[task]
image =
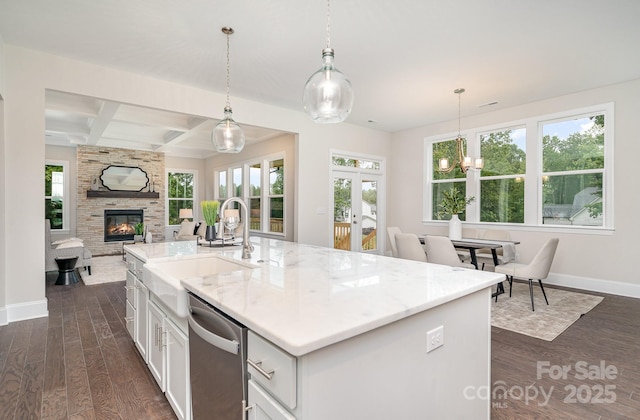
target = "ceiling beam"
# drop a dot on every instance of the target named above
(173, 138)
(105, 115)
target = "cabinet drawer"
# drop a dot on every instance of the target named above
(134, 265)
(130, 287)
(265, 359)
(129, 319)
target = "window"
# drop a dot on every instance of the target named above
(260, 183)
(276, 196)
(55, 185)
(502, 179)
(553, 170)
(572, 171)
(445, 181)
(181, 190)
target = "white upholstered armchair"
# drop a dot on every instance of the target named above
(69, 249)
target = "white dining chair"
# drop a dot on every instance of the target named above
(537, 269)
(440, 250)
(484, 255)
(409, 247)
(392, 231)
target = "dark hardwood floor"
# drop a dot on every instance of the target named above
(79, 363)
(531, 370)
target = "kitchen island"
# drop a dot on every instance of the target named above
(356, 327)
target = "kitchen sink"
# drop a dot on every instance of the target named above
(163, 277)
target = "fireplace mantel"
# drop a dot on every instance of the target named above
(121, 194)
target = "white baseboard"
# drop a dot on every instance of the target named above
(595, 285)
(27, 310)
(3, 316)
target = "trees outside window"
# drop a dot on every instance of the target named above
(54, 177)
(548, 170)
(180, 194)
(260, 183)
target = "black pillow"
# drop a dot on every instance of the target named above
(195, 230)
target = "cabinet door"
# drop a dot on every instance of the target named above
(130, 318)
(178, 385)
(156, 359)
(141, 327)
(264, 407)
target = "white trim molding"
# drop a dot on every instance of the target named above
(594, 285)
(26, 310)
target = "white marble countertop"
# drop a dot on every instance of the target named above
(304, 297)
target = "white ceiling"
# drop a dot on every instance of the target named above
(403, 57)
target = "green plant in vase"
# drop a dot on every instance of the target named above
(139, 231)
(210, 215)
(453, 203)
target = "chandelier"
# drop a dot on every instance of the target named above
(227, 136)
(328, 94)
(465, 162)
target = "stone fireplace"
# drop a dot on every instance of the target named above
(91, 205)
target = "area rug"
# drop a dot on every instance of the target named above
(104, 270)
(547, 321)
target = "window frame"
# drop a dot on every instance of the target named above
(196, 208)
(533, 211)
(65, 191)
(264, 161)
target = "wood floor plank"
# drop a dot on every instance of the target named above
(78, 391)
(102, 395)
(11, 375)
(29, 404)
(55, 388)
(85, 328)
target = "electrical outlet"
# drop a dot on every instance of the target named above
(435, 338)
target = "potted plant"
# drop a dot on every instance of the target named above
(139, 231)
(210, 215)
(453, 203)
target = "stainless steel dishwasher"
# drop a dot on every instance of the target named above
(218, 351)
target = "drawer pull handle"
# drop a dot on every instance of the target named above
(258, 366)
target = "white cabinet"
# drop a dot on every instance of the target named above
(263, 406)
(141, 296)
(156, 360)
(177, 370)
(273, 379)
(130, 313)
(168, 358)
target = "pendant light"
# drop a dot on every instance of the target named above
(228, 137)
(328, 94)
(460, 158)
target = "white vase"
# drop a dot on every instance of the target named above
(455, 228)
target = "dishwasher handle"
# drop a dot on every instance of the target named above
(230, 346)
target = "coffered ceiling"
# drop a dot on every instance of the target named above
(74, 119)
(403, 57)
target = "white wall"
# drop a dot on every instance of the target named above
(29, 73)
(3, 312)
(590, 261)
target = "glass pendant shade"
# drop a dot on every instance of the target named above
(228, 137)
(328, 94)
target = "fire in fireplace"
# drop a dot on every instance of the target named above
(119, 225)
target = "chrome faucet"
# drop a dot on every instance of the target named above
(247, 248)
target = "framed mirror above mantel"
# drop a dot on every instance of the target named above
(123, 182)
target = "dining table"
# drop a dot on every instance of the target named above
(473, 244)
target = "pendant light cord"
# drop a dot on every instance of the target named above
(328, 24)
(228, 103)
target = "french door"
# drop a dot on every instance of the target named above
(356, 199)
